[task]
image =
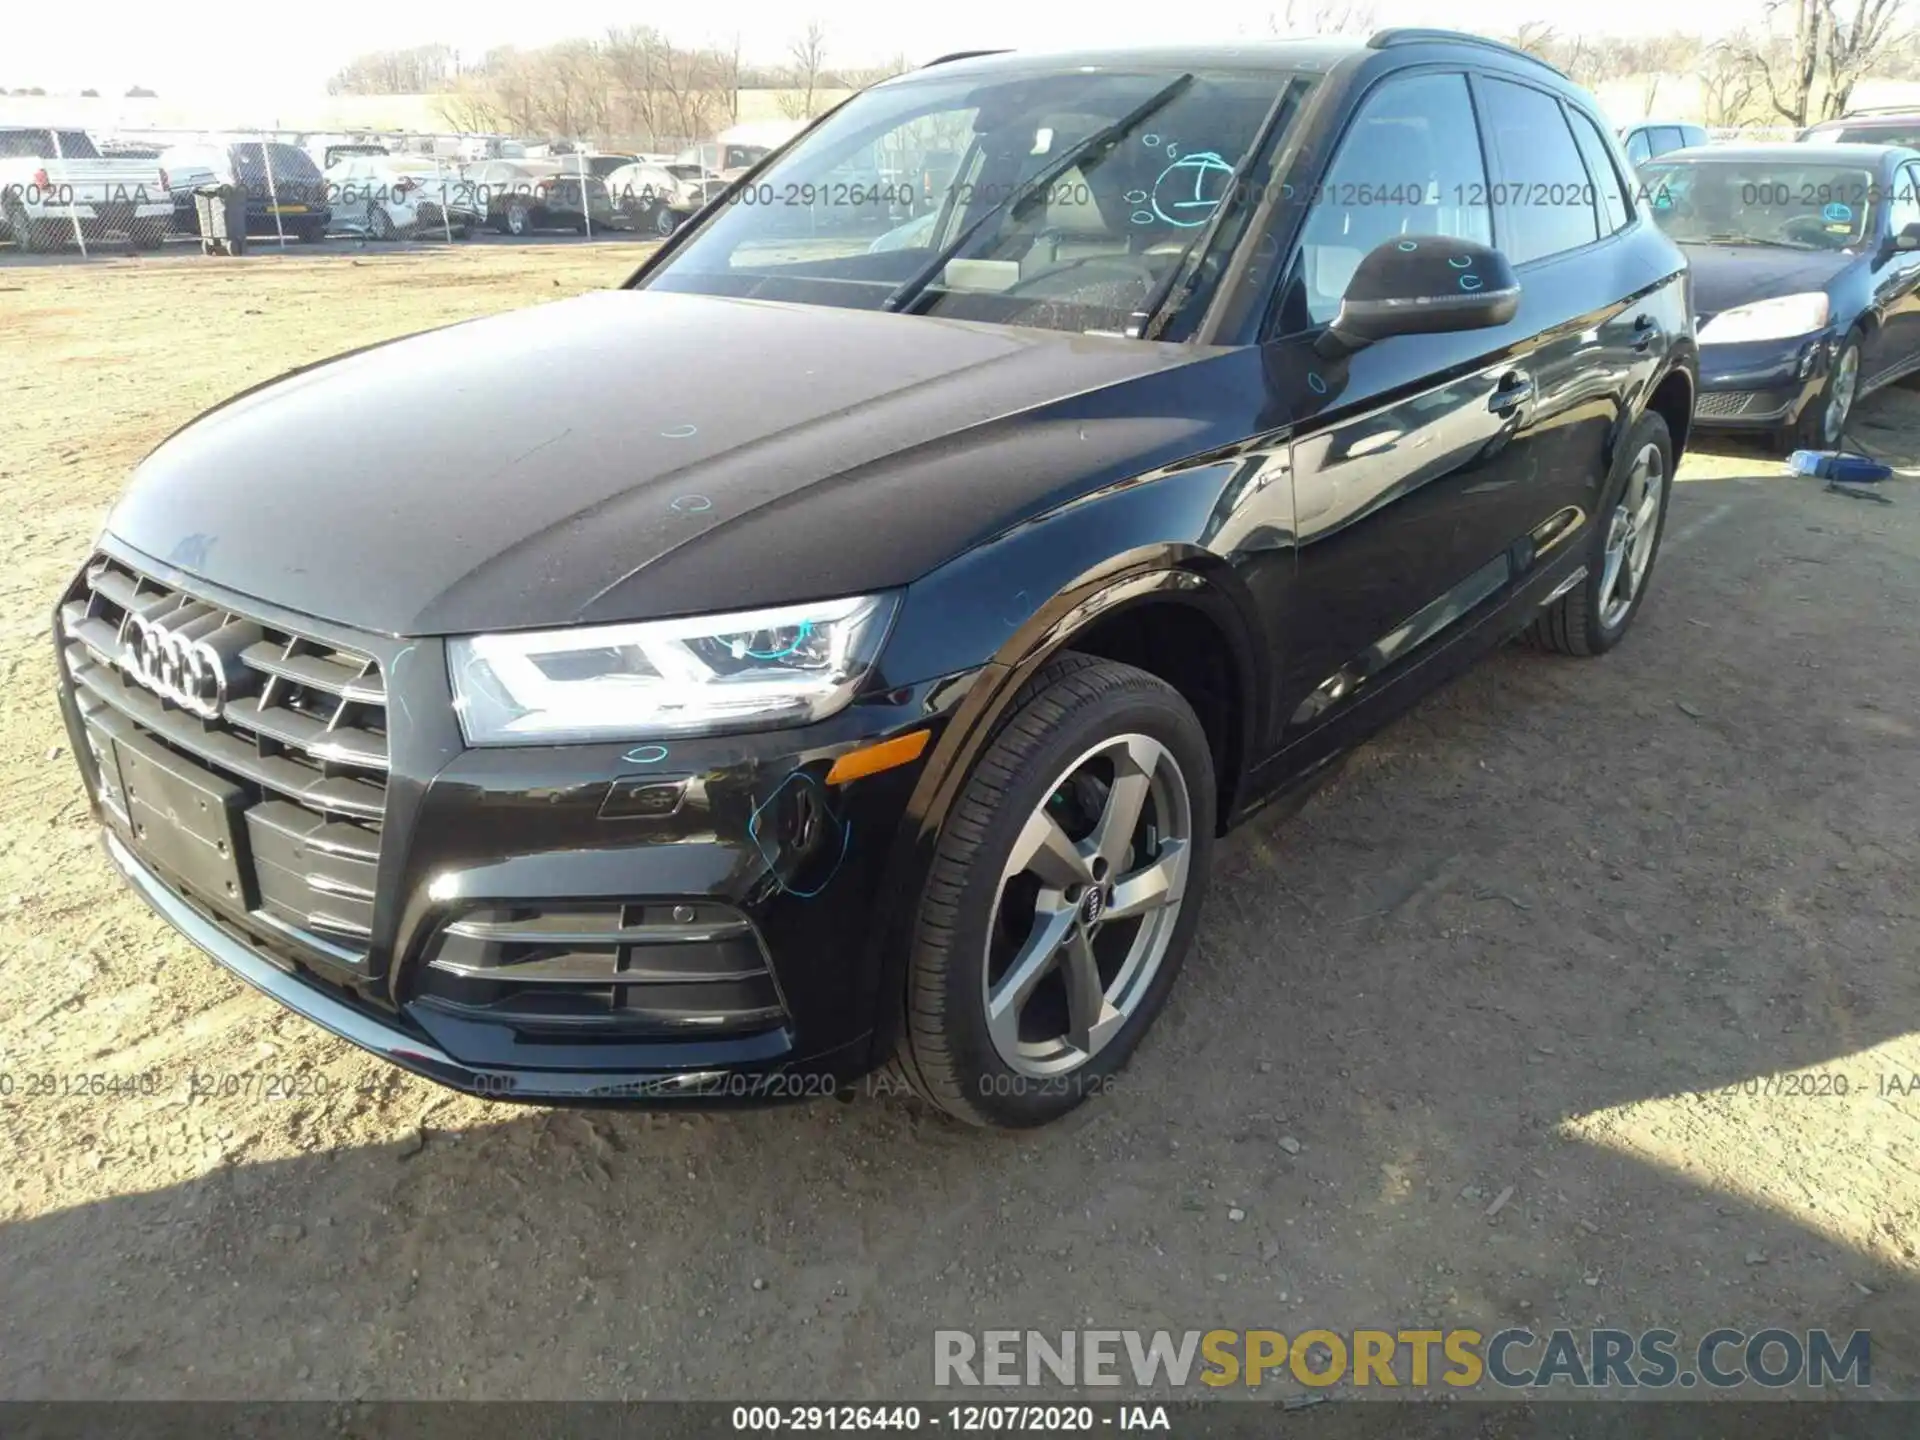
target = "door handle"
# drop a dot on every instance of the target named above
(1514, 391)
(1646, 330)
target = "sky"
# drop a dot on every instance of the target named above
(115, 44)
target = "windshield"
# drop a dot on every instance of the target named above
(927, 172)
(1761, 202)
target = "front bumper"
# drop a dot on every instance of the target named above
(517, 844)
(1761, 384)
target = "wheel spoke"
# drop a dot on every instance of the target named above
(1132, 781)
(1037, 955)
(1043, 848)
(1091, 1020)
(1610, 575)
(1153, 886)
(1643, 520)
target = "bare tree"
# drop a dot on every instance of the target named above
(1858, 37)
(873, 74)
(1322, 17)
(808, 54)
(1729, 85)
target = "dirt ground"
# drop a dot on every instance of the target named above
(1535, 943)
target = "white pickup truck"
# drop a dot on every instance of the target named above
(51, 178)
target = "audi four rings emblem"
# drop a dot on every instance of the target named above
(188, 672)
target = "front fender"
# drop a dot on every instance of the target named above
(995, 616)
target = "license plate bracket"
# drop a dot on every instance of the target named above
(185, 820)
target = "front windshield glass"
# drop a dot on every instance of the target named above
(918, 195)
(1761, 202)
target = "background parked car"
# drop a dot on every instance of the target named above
(522, 196)
(1893, 126)
(728, 161)
(658, 199)
(286, 192)
(1806, 278)
(1657, 137)
(385, 197)
(51, 179)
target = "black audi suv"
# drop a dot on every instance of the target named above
(815, 654)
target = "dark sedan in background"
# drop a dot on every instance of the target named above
(522, 196)
(1806, 278)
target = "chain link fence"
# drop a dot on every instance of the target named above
(68, 191)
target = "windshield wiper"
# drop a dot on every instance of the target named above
(909, 290)
(1776, 241)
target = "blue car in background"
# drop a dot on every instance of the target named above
(1806, 278)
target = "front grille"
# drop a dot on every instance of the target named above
(267, 809)
(1724, 404)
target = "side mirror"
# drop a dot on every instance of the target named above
(1422, 285)
(1908, 238)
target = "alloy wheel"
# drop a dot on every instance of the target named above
(1087, 905)
(1631, 533)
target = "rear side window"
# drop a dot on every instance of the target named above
(1544, 203)
(1609, 192)
(1409, 165)
(1638, 150)
(1668, 137)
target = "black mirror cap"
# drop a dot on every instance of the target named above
(1424, 285)
(1908, 238)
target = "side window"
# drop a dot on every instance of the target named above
(1408, 165)
(1540, 184)
(1638, 150)
(1905, 208)
(1609, 194)
(1669, 137)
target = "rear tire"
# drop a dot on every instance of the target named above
(379, 224)
(1086, 744)
(1594, 616)
(147, 234)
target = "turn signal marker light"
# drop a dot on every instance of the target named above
(873, 759)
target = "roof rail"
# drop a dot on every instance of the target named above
(1909, 108)
(965, 55)
(1420, 35)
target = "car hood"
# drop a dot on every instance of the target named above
(1728, 275)
(630, 454)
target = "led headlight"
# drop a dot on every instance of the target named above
(749, 671)
(1776, 319)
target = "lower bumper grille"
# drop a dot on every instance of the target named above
(245, 763)
(1724, 404)
(644, 968)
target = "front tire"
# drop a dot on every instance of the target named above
(519, 220)
(1593, 617)
(1822, 423)
(1062, 898)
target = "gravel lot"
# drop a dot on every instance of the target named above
(1523, 945)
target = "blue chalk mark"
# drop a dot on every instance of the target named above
(691, 504)
(1142, 217)
(1471, 282)
(1151, 141)
(1409, 245)
(645, 755)
(1837, 213)
(1459, 262)
(1135, 197)
(680, 432)
(806, 629)
(773, 860)
(1314, 383)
